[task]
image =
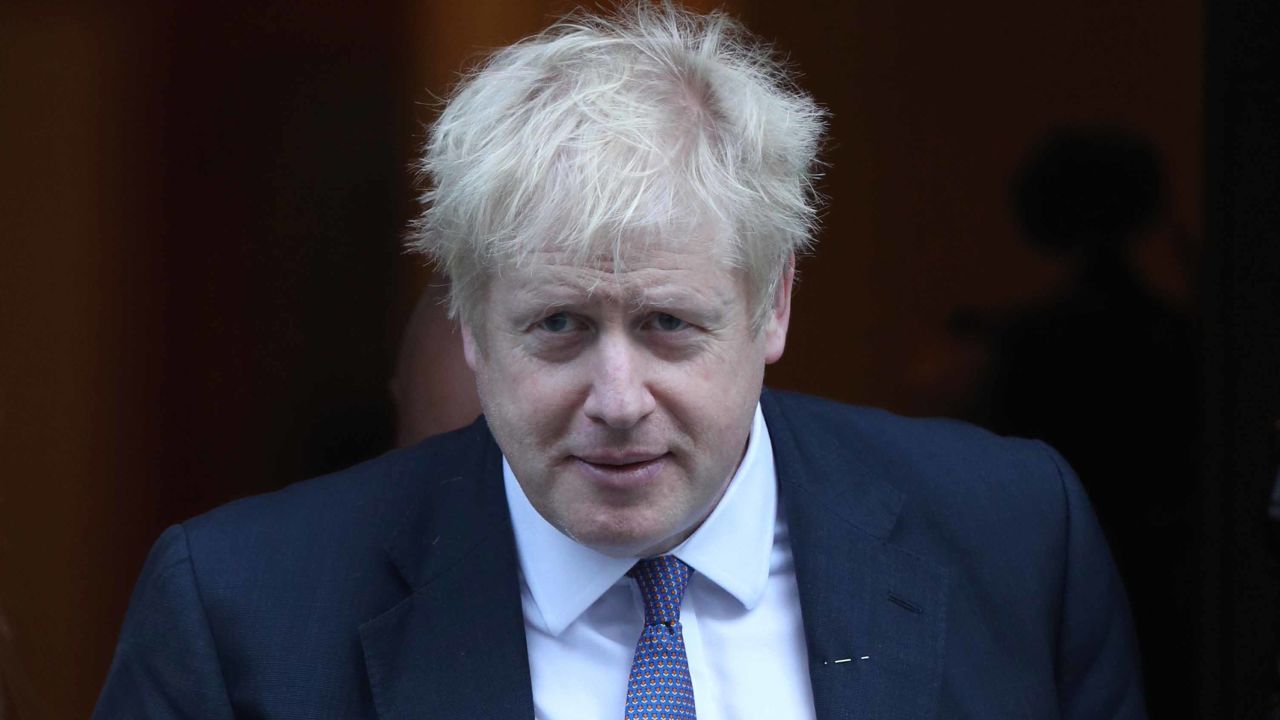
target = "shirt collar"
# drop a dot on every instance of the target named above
(731, 548)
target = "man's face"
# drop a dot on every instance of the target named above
(623, 401)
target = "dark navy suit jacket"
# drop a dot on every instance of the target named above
(963, 575)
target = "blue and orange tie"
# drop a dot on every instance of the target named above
(660, 687)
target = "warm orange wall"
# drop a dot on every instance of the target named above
(78, 280)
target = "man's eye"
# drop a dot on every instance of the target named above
(557, 323)
(668, 323)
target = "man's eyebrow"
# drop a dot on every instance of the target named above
(700, 308)
(534, 301)
(660, 297)
(538, 297)
(664, 296)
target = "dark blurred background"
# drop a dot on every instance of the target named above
(1057, 219)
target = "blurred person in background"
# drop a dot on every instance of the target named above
(1105, 371)
(433, 389)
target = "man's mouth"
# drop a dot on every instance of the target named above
(622, 470)
(620, 459)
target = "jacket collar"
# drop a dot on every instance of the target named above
(455, 645)
(874, 614)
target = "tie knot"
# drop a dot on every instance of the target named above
(662, 581)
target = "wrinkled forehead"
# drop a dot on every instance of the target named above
(659, 274)
(620, 246)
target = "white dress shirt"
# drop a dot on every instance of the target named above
(741, 610)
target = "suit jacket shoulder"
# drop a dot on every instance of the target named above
(955, 488)
(258, 605)
(334, 524)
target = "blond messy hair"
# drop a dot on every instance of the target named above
(647, 125)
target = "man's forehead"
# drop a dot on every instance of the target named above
(653, 277)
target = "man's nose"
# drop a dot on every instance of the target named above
(620, 396)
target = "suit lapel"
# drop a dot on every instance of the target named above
(455, 646)
(874, 614)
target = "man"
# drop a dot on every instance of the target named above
(634, 529)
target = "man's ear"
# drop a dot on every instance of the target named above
(775, 326)
(468, 344)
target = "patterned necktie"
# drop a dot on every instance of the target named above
(660, 687)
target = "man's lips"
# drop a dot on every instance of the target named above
(620, 459)
(621, 470)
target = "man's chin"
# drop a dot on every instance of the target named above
(623, 542)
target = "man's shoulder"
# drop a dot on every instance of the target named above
(322, 521)
(293, 574)
(882, 436)
(956, 477)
